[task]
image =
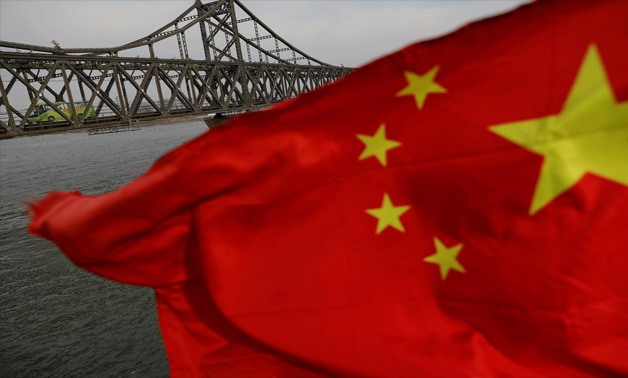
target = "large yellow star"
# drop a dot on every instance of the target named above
(590, 135)
(388, 215)
(377, 145)
(420, 86)
(446, 258)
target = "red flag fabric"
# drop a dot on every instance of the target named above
(458, 208)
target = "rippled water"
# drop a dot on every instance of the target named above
(55, 319)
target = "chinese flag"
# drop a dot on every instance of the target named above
(456, 209)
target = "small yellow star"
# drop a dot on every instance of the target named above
(377, 145)
(590, 135)
(420, 86)
(445, 258)
(388, 215)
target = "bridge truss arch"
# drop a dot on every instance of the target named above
(225, 60)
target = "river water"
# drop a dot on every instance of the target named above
(55, 319)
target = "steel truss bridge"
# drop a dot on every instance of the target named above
(237, 64)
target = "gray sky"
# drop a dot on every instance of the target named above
(349, 32)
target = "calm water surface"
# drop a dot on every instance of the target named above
(55, 319)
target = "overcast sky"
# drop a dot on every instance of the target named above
(349, 32)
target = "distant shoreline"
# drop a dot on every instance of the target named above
(133, 123)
